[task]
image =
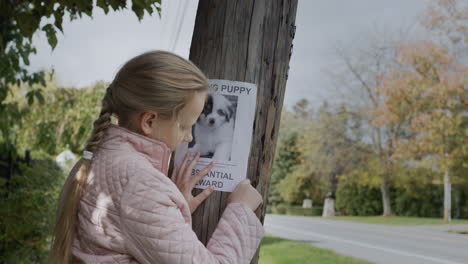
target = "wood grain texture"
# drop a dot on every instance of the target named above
(249, 41)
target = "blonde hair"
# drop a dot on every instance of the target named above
(153, 81)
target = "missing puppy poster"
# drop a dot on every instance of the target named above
(223, 134)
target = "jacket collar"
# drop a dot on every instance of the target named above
(157, 152)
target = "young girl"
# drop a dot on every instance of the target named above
(119, 206)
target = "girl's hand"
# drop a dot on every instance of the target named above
(181, 177)
(245, 193)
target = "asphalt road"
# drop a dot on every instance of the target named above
(376, 243)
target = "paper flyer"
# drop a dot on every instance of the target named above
(223, 134)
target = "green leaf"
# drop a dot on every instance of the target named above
(116, 4)
(102, 4)
(51, 37)
(1, 44)
(89, 10)
(40, 97)
(158, 8)
(58, 14)
(25, 58)
(3, 92)
(30, 97)
(27, 24)
(137, 7)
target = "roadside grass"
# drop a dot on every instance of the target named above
(398, 220)
(275, 250)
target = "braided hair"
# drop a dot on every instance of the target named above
(73, 188)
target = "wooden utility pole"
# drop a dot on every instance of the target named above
(247, 41)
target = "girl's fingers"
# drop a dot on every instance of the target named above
(174, 174)
(184, 164)
(200, 174)
(186, 174)
(197, 200)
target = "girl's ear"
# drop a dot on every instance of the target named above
(148, 121)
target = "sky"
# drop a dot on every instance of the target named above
(93, 49)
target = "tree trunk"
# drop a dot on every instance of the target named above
(248, 41)
(384, 179)
(447, 197)
(387, 207)
(456, 207)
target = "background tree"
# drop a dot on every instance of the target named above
(447, 21)
(285, 160)
(405, 100)
(287, 185)
(356, 78)
(426, 90)
(328, 147)
(27, 211)
(64, 122)
(19, 20)
(431, 76)
(301, 109)
(30, 192)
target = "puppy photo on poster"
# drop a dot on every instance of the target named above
(214, 130)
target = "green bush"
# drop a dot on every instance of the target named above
(411, 199)
(298, 210)
(357, 200)
(460, 208)
(427, 200)
(285, 159)
(280, 209)
(283, 208)
(27, 212)
(423, 200)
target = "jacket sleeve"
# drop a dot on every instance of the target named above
(155, 230)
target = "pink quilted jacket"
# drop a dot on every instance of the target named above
(131, 212)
